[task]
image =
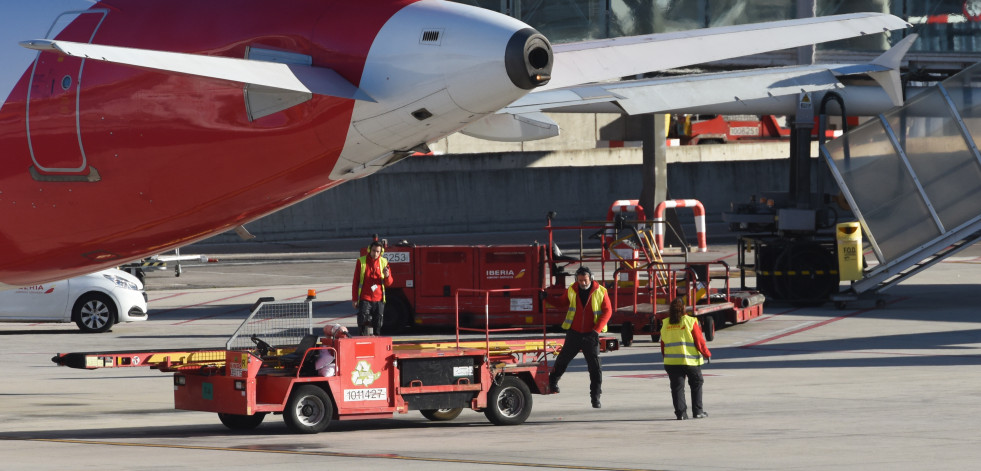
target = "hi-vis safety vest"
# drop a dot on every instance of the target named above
(363, 263)
(679, 344)
(595, 302)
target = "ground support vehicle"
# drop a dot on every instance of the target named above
(625, 255)
(644, 309)
(94, 302)
(722, 129)
(319, 378)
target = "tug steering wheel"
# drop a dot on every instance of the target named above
(261, 347)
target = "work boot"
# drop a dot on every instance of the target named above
(596, 402)
(553, 385)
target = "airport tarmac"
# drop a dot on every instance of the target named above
(799, 388)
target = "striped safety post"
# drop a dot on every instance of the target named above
(699, 221)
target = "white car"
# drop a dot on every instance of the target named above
(95, 302)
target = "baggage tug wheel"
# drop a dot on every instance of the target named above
(440, 415)
(241, 422)
(508, 403)
(309, 410)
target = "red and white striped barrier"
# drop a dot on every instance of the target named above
(620, 206)
(699, 221)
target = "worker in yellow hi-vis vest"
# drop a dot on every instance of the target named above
(371, 276)
(684, 350)
(589, 311)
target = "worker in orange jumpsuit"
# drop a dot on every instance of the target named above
(371, 276)
(589, 311)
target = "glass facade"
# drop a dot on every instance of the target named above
(944, 26)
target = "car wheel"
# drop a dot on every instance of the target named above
(94, 313)
(309, 410)
(241, 422)
(441, 415)
(508, 403)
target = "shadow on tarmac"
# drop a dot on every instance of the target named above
(272, 426)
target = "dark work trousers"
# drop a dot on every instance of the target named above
(677, 375)
(588, 344)
(370, 314)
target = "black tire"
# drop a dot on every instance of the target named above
(626, 334)
(241, 422)
(308, 410)
(708, 328)
(94, 313)
(508, 403)
(397, 314)
(441, 415)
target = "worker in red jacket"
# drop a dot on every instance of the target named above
(371, 276)
(684, 350)
(589, 311)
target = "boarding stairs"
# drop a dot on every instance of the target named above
(912, 177)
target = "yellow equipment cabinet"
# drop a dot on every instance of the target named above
(849, 235)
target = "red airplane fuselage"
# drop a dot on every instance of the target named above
(104, 163)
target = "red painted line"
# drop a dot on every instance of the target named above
(727, 256)
(209, 302)
(332, 319)
(802, 329)
(167, 297)
(771, 316)
(319, 291)
(813, 326)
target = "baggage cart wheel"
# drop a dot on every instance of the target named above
(508, 403)
(309, 410)
(241, 422)
(441, 415)
(626, 334)
(708, 327)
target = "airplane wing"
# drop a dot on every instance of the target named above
(611, 59)
(292, 77)
(758, 91)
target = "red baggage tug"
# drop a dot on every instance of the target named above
(319, 378)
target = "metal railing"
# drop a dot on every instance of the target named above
(278, 323)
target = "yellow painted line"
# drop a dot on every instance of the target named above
(321, 453)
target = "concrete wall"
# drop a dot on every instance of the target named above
(514, 191)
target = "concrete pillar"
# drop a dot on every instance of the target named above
(806, 9)
(654, 184)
